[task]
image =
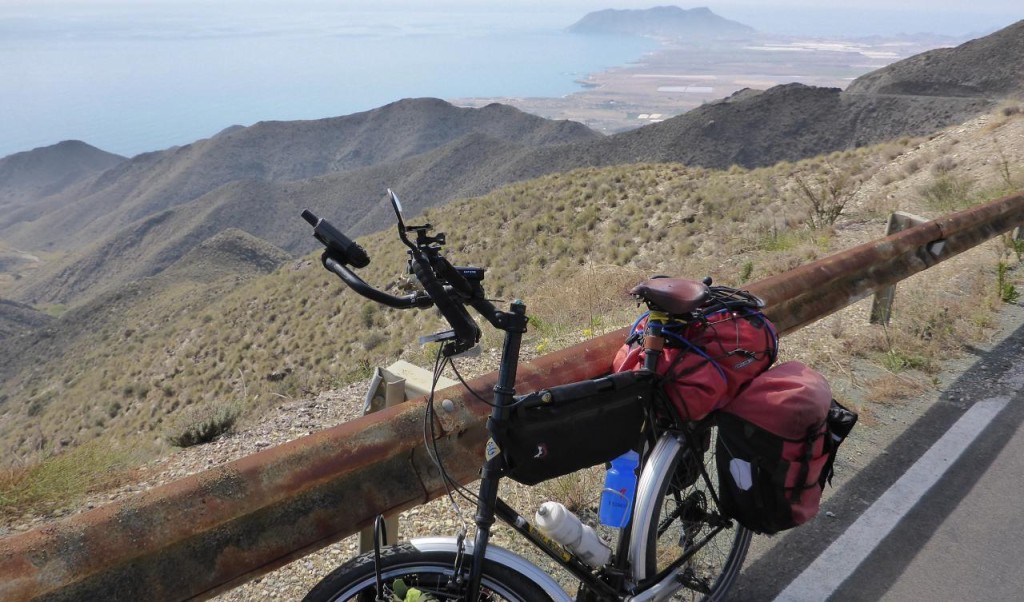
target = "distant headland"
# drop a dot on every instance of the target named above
(661, 21)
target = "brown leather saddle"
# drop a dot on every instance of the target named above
(676, 296)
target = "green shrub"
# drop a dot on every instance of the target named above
(826, 193)
(746, 272)
(1016, 246)
(196, 426)
(897, 361)
(1008, 293)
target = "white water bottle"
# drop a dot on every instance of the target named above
(561, 525)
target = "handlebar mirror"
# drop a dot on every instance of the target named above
(397, 206)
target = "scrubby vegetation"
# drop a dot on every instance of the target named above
(180, 360)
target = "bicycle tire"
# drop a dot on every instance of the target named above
(427, 571)
(683, 510)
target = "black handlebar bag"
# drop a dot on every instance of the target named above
(557, 431)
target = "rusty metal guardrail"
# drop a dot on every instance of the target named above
(203, 534)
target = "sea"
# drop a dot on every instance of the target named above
(131, 76)
(136, 77)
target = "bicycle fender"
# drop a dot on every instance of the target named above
(502, 556)
(658, 464)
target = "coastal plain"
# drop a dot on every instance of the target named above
(682, 75)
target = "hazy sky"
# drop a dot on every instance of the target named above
(830, 17)
(991, 6)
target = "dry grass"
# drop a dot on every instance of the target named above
(569, 244)
(60, 480)
(867, 414)
(894, 388)
(578, 491)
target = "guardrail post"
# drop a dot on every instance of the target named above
(386, 390)
(881, 307)
(391, 386)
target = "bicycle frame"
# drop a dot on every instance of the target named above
(631, 550)
(494, 462)
(456, 288)
(631, 542)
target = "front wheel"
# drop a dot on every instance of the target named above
(405, 570)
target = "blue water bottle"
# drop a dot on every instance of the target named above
(619, 488)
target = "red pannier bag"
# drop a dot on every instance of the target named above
(706, 362)
(775, 450)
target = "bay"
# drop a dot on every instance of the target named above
(136, 81)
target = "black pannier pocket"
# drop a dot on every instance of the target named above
(556, 431)
(766, 482)
(840, 422)
(769, 483)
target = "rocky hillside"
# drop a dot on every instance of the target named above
(785, 123)
(206, 335)
(988, 67)
(31, 175)
(86, 338)
(17, 319)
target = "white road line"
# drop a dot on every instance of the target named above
(839, 560)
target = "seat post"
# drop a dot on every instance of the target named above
(654, 341)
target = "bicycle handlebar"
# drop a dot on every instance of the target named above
(360, 286)
(467, 333)
(444, 286)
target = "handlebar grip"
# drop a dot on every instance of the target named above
(336, 241)
(466, 330)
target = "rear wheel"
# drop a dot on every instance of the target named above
(432, 573)
(682, 516)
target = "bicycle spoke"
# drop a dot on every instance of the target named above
(691, 538)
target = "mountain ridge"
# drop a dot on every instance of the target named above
(270, 151)
(955, 71)
(430, 152)
(50, 169)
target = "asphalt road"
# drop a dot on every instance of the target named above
(940, 516)
(977, 553)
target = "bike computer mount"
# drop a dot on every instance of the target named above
(448, 286)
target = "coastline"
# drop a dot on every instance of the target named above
(679, 76)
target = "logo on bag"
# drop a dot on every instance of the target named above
(741, 475)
